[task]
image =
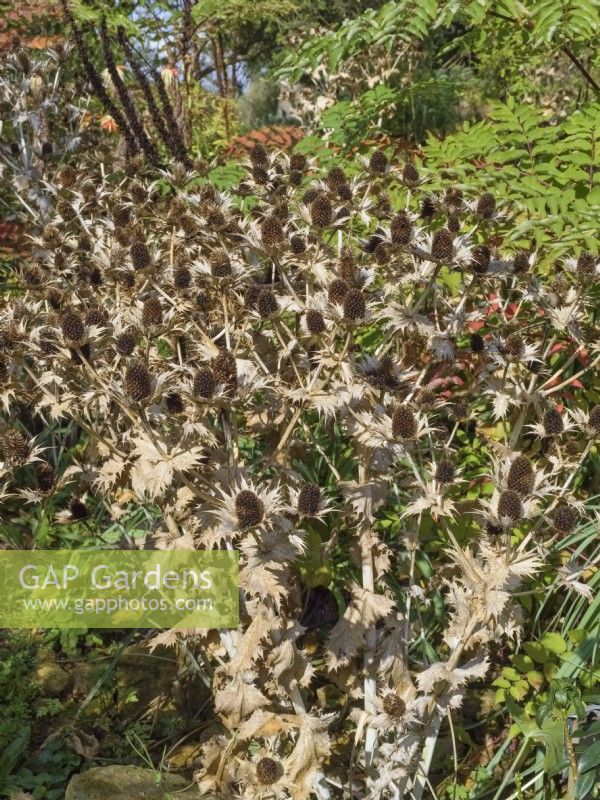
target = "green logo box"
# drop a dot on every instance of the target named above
(119, 589)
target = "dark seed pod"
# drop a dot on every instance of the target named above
(251, 296)
(594, 419)
(520, 262)
(266, 304)
(453, 200)
(259, 156)
(515, 346)
(45, 477)
(480, 259)
(309, 499)
(401, 229)
(67, 177)
(337, 291)
(125, 343)
(321, 212)
(138, 381)
(486, 205)
(335, 178)
(315, 322)
(220, 264)
(445, 472)
(249, 509)
(298, 245)
(510, 505)
(410, 175)
(586, 266)
(152, 312)
(564, 518)
(268, 771)
(271, 231)
(121, 216)
(310, 196)
(295, 178)
(204, 384)
(404, 423)
(394, 706)
(476, 343)
(442, 245)
(174, 403)
(453, 224)
(521, 477)
(493, 530)
(72, 326)
(553, 422)
(225, 369)
(354, 305)
(78, 511)
(427, 208)
(379, 163)
(260, 175)
(383, 253)
(4, 372)
(298, 162)
(182, 278)
(140, 255)
(347, 266)
(14, 447)
(345, 193)
(97, 316)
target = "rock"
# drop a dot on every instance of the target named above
(51, 679)
(183, 757)
(120, 782)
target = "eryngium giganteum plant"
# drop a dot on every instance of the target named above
(208, 345)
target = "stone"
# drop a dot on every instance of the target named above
(122, 782)
(51, 679)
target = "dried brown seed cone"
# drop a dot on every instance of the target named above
(586, 266)
(354, 305)
(379, 163)
(476, 343)
(309, 499)
(520, 262)
(521, 476)
(515, 346)
(486, 205)
(138, 381)
(259, 156)
(4, 371)
(594, 419)
(404, 423)
(298, 245)
(204, 384)
(453, 224)
(67, 177)
(445, 472)
(553, 422)
(182, 278)
(140, 255)
(394, 706)
(45, 477)
(220, 264)
(121, 216)
(410, 175)
(427, 208)
(315, 322)
(442, 246)
(564, 518)
(249, 509)
(174, 403)
(480, 259)
(510, 505)
(266, 304)
(298, 162)
(78, 510)
(97, 316)
(225, 369)
(321, 212)
(268, 771)
(335, 178)
(271, 231)
(337, 291)
(347, 266)
(152, 312)
(126, 343)
(401, 229)
(72, 326)
(14, 447)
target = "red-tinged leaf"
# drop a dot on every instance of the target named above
(576, 383)
(476, 325)
(557, 348)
